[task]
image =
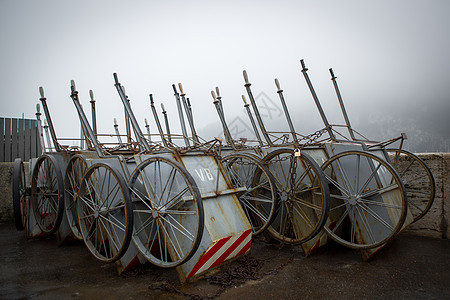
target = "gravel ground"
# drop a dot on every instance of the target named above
(411, 267)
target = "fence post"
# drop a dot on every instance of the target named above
(19, 138)
(21, 133)
(7, 139)
(2, 139)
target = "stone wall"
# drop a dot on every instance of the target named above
(433, 224)
(6, 209)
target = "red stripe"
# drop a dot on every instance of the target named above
(208, 255)
(231, 248)
(134, 263)
(245, 249)
(315, 247)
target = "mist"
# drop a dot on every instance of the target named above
(390, 59)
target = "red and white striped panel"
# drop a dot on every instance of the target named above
(223, 250)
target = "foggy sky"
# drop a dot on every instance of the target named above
(390, 58)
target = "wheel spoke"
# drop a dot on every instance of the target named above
(92, 229)
(303, 215)
(264, 184)
(88, 202)
(148, 220)
(148, 188)
(108, 231)
(344, 176)
(254, 210)
(258, 199)
(358, 165)
(411, 203)
(380, 191)
(177, 198)
(155, 235)
(312, 188)
(339, 197)
(90, 186)
(418, 192)
(337, 185)
(382, 204)
(171, 176)
(145, 199)
(233, 175)
(180, 212)
(376, 216)
(115, 222)
(158, 201)
(179, 227)
(283, 218)
(366, 225)
(300, 179)
(161, 231)
(112, 194)
(374, 172)
(341, 219)
(307, 204)
(352, 231)
(402, 174)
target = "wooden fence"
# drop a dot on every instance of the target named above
(19, 138)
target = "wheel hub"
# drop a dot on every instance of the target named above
(353, 200)
(155, 213)
(284, 196)
(101, 211)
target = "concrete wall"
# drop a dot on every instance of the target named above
(433, 224)
(6, 206)
(6, 210)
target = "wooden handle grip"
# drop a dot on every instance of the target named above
(245, 101)
(217, 92)
(245, 76)
(277, 83)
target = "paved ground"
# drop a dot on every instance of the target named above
(411, 267)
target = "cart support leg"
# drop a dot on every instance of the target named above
(226, 131)
(286, 112)
(316, 100)
(49, 120)
(158, 124)
(341, 103)
(252, 121)
(255, 109)
(180, 114)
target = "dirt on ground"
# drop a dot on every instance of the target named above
(410, 267)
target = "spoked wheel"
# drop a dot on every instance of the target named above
(72, 180)
(417, 179)
(168, 212)
(367, 200)
(260, 200)
(303, 192)
(105, 214)
(47, 194)
(20, 203)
